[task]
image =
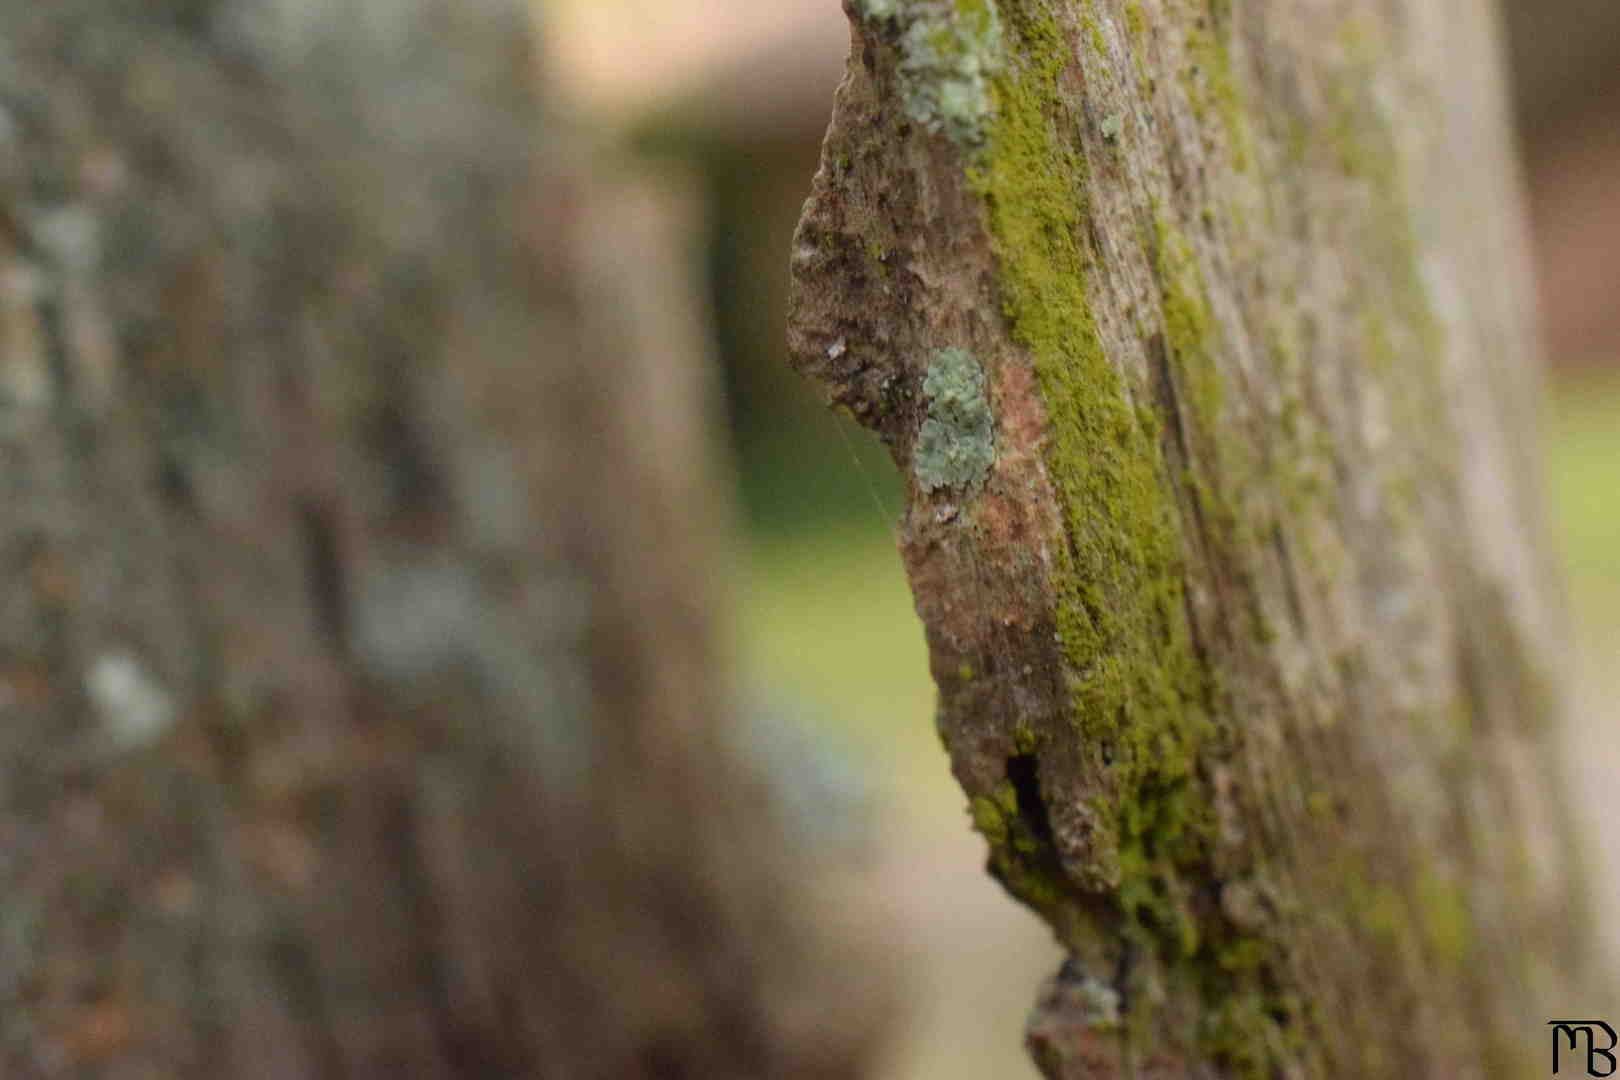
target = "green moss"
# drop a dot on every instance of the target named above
(1382, 912)
(1403, 341)
(1301, 470)
(1357, 133)
(1188, 323)
(1042, 889)
(1136, 22)
(1224, 485)
(1242, 1034)
(1025, 740)
(1363, 141)
(991, 815)
(1446, 920)
(1427, 915)
(1134, 680)
(1213, 91)
(1136, 25)
(1020, 857)
(1242, 955)
(956, 443)
(1099, 44)
(1189, 330)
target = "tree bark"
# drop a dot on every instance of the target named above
(361, 706)
(1202, 331)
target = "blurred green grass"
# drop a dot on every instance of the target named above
(822, 613)
(828, 620)
(1583, 474)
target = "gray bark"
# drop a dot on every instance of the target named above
(361, 706)
(1202, 332)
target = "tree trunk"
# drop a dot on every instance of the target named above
(361, 710)
(1201, 329)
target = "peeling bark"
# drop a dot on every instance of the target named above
(1244, 645)
(360, 712)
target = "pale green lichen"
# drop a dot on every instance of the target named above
(1099, 1004)
(949, 51)
(877, 10)
(956, 444)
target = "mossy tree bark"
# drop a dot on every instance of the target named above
(1201, 331)
(359, 705)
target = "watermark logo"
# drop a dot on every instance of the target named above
(1569, 1034)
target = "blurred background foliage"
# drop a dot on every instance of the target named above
(731, 101)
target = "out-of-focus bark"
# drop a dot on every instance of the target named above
(1202, 331)
(360, 712)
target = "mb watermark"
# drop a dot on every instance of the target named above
(1600, 1060)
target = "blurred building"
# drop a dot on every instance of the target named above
(1566, 61)
(740, 95)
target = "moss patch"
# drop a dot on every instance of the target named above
(1213, 90)
(1021, 853)
(1136, 22)
(1447, 922)
(1188, 323)
(1135, 682)
(1137, 685)
(1099, 44)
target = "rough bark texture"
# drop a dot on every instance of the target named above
(1201, 330)
(359, 710)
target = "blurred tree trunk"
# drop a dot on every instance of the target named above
(1201, 329)
(361, 706)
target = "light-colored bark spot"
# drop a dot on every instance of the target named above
(492, 491)
(25, 381)
(414, 620)
(71, 236)
(134, 709)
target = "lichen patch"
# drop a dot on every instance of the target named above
(949, 53)
(956, 444)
